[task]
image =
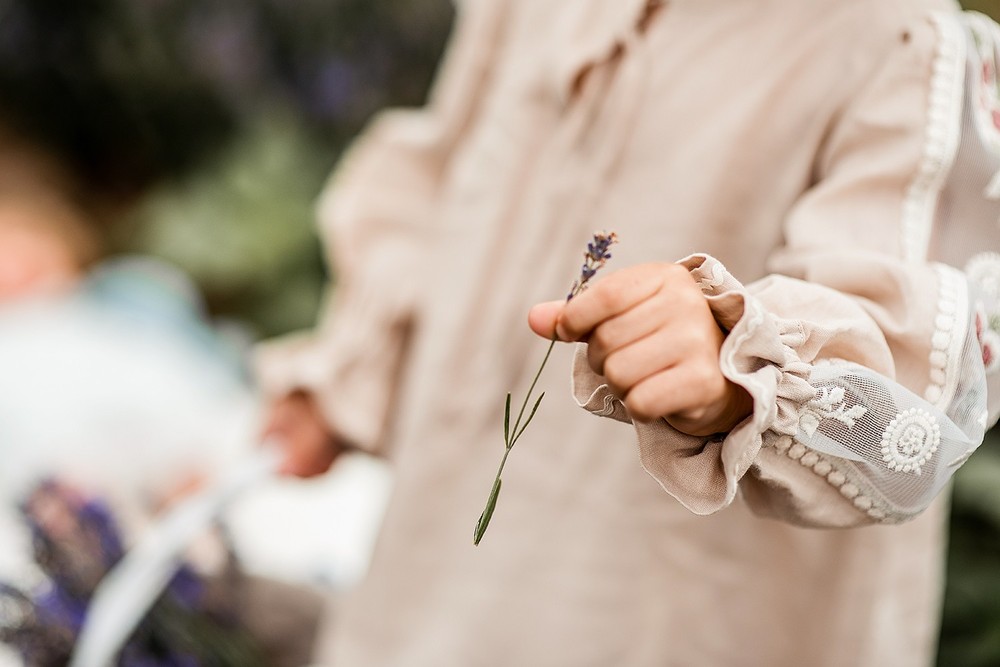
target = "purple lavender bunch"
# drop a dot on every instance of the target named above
(76, 541)
(594, 258)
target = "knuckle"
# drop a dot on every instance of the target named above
(686, 336)
(692, 296)
(675, 269)
(704, 339)
(607, 297)
(675, 273)
(704, 376)
(689, 298)
(632, 283)
(641, 405)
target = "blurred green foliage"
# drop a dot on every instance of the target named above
(970, 627)
(303, 78)
(244, 227)
(990, 7)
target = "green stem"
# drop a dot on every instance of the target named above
(510, 437)
(527, 397)
(503, 461)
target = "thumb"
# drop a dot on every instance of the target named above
(542, 318)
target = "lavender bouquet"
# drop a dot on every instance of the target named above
(76, 541)
(593, 259)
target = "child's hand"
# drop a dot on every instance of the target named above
(308, 447)
(651, 334)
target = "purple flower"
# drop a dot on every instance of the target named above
(593, 259)
(187, 588)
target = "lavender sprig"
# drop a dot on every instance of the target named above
(593, 259)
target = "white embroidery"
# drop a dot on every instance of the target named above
(983, 270)
(942, 138)
(835, 476)
(910, 440)
(947, 339)
(829, 404)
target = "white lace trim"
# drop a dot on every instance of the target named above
(829, 403)
(835, 476)
(947, 339)
(960, 460)
(983, 270)
(942, 138)
(910, 440)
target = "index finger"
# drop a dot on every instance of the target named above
(614, 294)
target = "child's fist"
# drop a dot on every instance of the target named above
(652, 336)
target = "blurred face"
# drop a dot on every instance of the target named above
(34, 258)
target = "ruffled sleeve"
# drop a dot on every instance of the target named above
(872, 369)
(375, 216)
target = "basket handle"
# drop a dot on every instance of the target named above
(125, 594)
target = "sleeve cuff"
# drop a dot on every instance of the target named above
(703, 473)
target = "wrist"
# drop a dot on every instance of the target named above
(734, 407)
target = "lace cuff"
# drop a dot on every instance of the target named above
(830, 441)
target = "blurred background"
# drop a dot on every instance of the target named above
(159, 161)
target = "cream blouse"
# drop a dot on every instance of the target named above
(830, 170)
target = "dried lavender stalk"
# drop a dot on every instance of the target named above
(593, 259)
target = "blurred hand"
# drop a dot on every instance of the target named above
(309, 446)
(652, 336)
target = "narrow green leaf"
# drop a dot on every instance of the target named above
(530, 415)
(506, 421)
(484, 518)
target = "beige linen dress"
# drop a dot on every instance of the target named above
(825, 155)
